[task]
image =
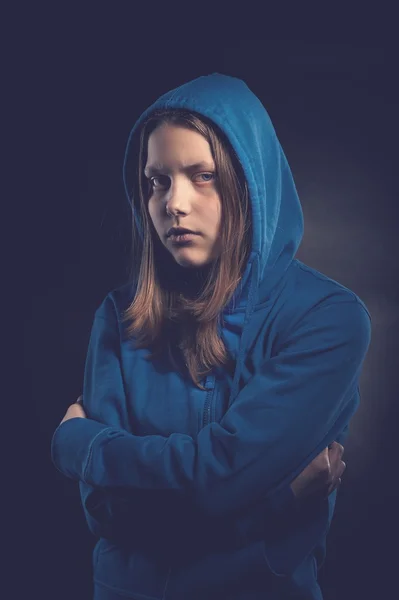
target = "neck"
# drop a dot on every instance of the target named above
(192, 281)
(188, 282)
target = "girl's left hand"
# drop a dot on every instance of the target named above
(75, 410)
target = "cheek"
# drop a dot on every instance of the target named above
(155, 218)
(152, 212)
(217, 213)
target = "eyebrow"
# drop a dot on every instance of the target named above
(155, 170)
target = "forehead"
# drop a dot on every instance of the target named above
(176, 143)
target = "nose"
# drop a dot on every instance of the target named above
(178, 198)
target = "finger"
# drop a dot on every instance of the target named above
(322, 467)
(337, 447)
(335, 485)
(338, 483)
(335, 453)
(334, 461)
(323, 459)
(337, 468)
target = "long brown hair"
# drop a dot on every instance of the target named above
(164, 318)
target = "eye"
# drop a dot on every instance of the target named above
(208, 177)
(160, 181)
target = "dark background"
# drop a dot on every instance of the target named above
(333, 101)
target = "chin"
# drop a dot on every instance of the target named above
(192, 265)
(188, 263)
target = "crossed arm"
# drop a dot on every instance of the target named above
(303, 395)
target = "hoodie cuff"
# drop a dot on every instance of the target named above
(72, 443)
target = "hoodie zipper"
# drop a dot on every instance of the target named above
(209, 384)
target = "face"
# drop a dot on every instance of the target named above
(181, 171)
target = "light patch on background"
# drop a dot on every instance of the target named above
(355, 255)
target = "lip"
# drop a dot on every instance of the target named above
(184, 237)
(184, 230)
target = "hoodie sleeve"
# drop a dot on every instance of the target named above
(108, 511)
(281, 420)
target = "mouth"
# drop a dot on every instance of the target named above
(182, 237)
(178, 231)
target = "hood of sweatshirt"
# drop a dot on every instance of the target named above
(277, 218)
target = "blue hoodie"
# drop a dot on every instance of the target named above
(187, 490)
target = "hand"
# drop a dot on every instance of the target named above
(75, 410)
(323, 475)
